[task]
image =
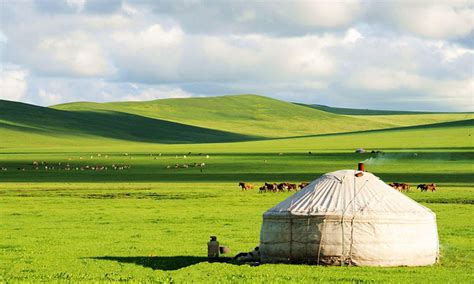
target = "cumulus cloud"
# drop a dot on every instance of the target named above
(75, 53)
(380, 79)
(437, 19)
(153, 52)
(450, 93)
(13, 84)
(385, 54)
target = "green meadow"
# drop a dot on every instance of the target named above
(150, 222)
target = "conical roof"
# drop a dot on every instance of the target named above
(342, 193)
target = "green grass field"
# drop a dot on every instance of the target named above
(151, 223)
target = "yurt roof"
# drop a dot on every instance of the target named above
(342, 193)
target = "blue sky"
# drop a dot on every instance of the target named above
(412, 55)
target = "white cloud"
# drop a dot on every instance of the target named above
(437, 19)
(459, 94)
(314, 51)
(352, 36)
(247, 16)
(320, 13)
(76, 4)
(154, 93)
(49, 98)
(447, 93)
(450, 51)
(153, 52)
(75, 53)
(379, 79)
(13, 84)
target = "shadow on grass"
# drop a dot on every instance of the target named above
(162, 262)
(27, 118)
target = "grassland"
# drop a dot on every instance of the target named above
(151, 223)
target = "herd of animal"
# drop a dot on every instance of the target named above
(289, 187)
(274, 187)
(185, 166)
(405, 187)
(42, 165)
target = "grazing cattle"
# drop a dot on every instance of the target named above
(292, 187)
(396, 185)
(422, 187)
(426, 187)
(432, 187)
(400, 186)
(272, 187)
(405, 186)
(262, 189)
(245, 186)
(282, 186)
(303, 185)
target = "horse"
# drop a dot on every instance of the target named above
(292, 187)
(272, 187)
(400, 186)
(245, 186)
(282, 186)
(303, 185)
(426, 187)
(431, 187)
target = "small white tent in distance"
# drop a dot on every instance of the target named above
(349, 217)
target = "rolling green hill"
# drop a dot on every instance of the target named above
(20, 123)
(243, 114)
(190, 120)
(256, 115)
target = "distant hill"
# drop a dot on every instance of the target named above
(244, 114)
(19, 121)
(188, 120)
(355, 111)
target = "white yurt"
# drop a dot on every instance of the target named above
(349, 217)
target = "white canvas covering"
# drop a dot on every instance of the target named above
(343, 219)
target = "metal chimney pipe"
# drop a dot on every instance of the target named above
(361, 167)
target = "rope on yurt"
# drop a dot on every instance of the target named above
(352, 202)
(354, 215)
